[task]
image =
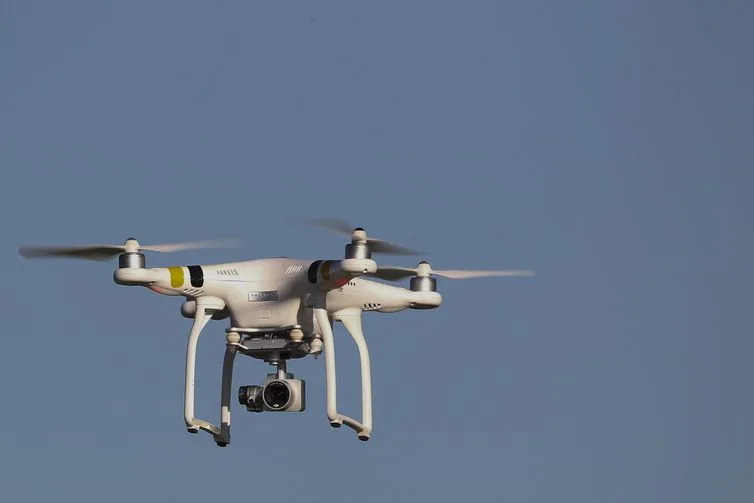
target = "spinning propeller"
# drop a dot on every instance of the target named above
(358, 234)
(392, 273)
(106, 252)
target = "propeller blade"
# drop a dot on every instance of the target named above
(336, 225)
(192, 245)
(90, 252)
(391, 273)
(340, 226)
(106, 252)
(386, 248)
(394, 273)
(464, 274)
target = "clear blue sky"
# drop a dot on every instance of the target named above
(607, 145)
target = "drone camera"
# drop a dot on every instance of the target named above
(251, 397)
(275, 395)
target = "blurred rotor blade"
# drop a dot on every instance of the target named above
(336, 225)
(391, 273)
(340, 226)
(386, 248)
(465, 274)
(106, 252)
(193, 245)
(88, 252)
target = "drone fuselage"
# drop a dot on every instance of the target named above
(272, 293)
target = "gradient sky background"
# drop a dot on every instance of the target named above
(607, 145)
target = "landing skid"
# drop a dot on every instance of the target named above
(274, 345)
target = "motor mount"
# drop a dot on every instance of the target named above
(132, 260)
(423, 282)
(358, 248)
(358, 251)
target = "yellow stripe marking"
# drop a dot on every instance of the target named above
(176, 276)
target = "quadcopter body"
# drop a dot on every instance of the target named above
(272, 293)
(278, 309)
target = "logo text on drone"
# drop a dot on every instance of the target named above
(263, 296)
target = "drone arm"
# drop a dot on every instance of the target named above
(364, 430)
(128, 276)
(332, 274)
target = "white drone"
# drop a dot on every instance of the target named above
(279, 309)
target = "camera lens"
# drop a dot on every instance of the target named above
(277, 394)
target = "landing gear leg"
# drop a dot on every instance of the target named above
(204, 309)
(353, 325)
(225, 393)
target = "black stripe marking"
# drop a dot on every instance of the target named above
(312, 272)
(197, 276)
